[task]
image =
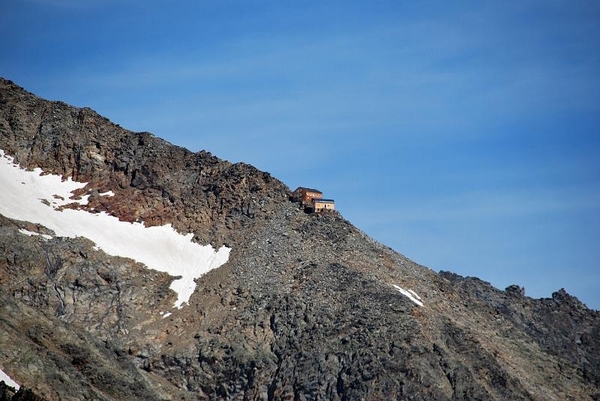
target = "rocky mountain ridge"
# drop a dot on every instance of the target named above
(305, 308)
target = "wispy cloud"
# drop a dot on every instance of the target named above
(76, 4)
(488, 205)
(422, 78)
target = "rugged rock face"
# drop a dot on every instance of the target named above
(304, 309)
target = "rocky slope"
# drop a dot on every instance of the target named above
(306, 307)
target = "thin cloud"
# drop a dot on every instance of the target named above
(70, 4)
(489, 205)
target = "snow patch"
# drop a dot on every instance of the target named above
(414, 294)
(34, 197)
(410, 294)
(6, 379)
(30, 233)
(108, 193)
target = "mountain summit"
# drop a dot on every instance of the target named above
(136, 269)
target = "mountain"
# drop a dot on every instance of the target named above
(135, 269)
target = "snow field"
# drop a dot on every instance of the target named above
(30, 196)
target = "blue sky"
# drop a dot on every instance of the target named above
(465, 135)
